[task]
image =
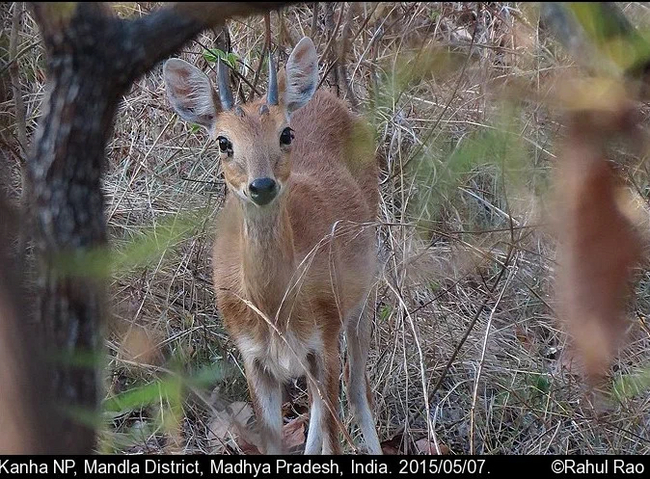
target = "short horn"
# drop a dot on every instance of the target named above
(272, 96)
(225, 95)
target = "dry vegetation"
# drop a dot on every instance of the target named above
(466, 334)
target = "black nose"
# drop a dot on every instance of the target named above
(263, 190)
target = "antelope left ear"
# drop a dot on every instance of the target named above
(301, 78)
(190, 92)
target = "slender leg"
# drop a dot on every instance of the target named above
(332, 373)
(314, 443)
(358, 340)
(323, 435)
(266, 395)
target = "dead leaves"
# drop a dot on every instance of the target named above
(232, 430)
(425, 446)
(399, 445)
(597, 242)
(294, 433)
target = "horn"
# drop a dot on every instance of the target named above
(225, 95)
(272, 96)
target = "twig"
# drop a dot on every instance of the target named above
(363, 25)
(20, 53)
(237, 74)
(480, 366)
(314, 20)
(14, 73)
(469, 329)
(21, 125)
(265, 50)
(341, 61)
(329, 13)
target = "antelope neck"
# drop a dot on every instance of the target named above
(268, 255)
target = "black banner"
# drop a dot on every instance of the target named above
(323, 466)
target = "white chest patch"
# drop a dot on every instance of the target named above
(284, 357)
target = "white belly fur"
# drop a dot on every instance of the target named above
(283, 357)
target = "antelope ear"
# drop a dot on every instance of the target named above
(190, 92)
(301, 78)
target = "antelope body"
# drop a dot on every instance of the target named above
(294, 256)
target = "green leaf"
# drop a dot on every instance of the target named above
(384, 313)
(83, 415)
(231, 59)
(142, 250)
(541, 383)
(80, 358)
(213, 54)
(211, 374)
(632, 385)
(146, 395)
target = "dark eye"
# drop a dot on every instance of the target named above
(286, 136)
(224, 145)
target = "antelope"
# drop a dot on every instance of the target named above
(294, 256)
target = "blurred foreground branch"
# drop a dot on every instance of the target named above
(598, 243)
(600, 38)
(26, 422)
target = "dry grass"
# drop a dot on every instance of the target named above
(465, 330)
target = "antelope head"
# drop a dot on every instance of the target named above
(254, 138)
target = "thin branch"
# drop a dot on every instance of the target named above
(329, 13)
(341, 61)
(21, 123)
(237, 74)
(314, 20)
(363, 25)
(265, 50)
(14, 73)
(160, 34)
(21, 52)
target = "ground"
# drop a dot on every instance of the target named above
(465, 328)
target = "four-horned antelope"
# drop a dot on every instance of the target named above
(294, 256)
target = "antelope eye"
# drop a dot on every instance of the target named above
(286, 136)
(224, 144)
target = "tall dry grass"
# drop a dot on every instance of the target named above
(466, 349)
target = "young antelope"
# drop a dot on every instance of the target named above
(295, 254)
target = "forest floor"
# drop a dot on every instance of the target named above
(468, 354)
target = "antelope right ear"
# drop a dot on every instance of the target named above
(299, 84)
(190, 92)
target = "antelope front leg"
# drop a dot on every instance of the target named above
(359, 394)
(323, 435)
(314, 444)
(266, 395)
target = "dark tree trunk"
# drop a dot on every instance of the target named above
(64, 174)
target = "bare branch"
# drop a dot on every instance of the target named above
(20, 121)
(21, 127)
(314, 20)
(341, 61)
(265, 50)
(158, 35)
